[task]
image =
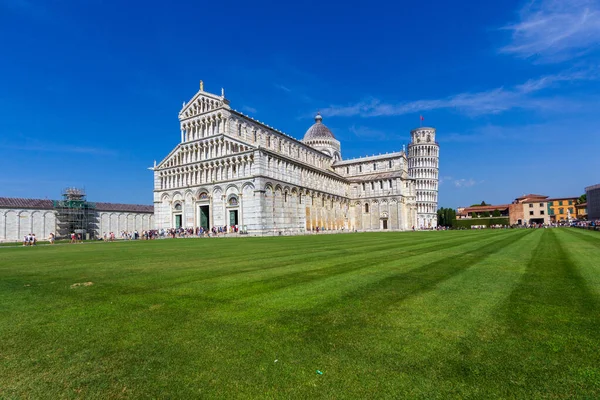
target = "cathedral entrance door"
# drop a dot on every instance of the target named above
(204, 218)
(178, 221)
(384, 224)
(233, 217)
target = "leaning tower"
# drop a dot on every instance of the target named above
(423, 165)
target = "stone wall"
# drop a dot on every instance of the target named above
(15, 223)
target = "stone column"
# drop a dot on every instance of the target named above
(241, 210)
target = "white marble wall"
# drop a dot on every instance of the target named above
(16, 223)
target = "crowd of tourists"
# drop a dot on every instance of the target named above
(198, 231)
(170, 233)
(217, 231)
(594, 224)
(29, 240)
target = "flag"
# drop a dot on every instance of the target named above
(422, 119)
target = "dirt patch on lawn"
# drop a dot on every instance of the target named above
(76, 285)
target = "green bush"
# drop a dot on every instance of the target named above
(467, 223)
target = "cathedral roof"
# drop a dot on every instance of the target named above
(318, 130)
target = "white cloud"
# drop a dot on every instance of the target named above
(464, 183)
(555, 30)
(365, 132)
(444, 179)
(492, 101)
(57, 148)
(282, 87)
(249, 109)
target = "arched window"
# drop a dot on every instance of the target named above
(366, 207)
(177, 207)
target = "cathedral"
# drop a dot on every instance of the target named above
(232, 170)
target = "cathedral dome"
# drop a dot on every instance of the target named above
(318, 130)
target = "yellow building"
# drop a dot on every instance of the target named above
(581, 211)
(562, 208)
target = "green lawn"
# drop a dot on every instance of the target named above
(431, 315)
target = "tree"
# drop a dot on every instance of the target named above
(496, 213)
(473, 214)
(445, 216)
(483, 203)
(582, 199)
(485, 214)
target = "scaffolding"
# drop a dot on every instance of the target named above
(74, 214)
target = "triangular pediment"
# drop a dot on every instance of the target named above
(177, 157)
(201, 103)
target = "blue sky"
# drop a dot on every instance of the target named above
(90, 91)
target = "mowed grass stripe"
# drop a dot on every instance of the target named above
(86, 316)
(591, 237)
(583, 249)
(347, 276)
(548, 332)
(390, 353)
(201, 269)
(307, 273)
(209, 254)
(332, 327)
(199, 295)
(406, 325)
(305, 284)
(374, 298)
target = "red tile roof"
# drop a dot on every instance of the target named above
(15, 202)
(532, 196)
(562, 198)
(124, 207)
(499, 207)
